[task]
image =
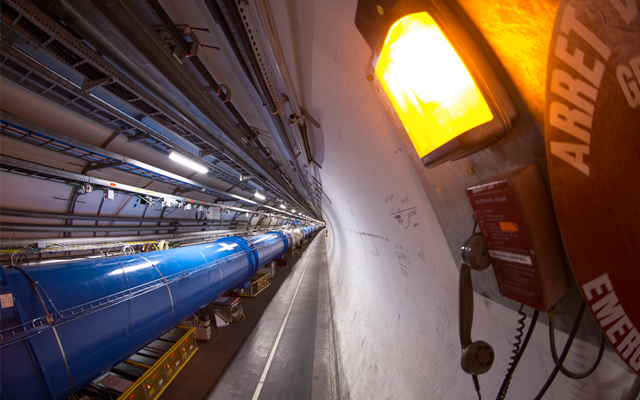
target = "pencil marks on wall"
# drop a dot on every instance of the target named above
(402, 211)
(404, 262)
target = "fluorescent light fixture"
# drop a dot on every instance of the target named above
(240, 209)
(179, 158)
(259, 195)
(283, 206)
(241, 198)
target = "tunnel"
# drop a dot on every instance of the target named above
(440, 197)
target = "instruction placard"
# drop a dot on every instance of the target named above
(504, 229)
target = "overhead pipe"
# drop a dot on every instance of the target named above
(11, 212)
(29, 62)
(57, 260)
(263, 10)
(70, 323)
(289, 235)
(91, 19)
(20, 227)
(200, 100)
(115, 239)
(233, 28)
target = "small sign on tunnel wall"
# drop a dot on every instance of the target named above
(592, 133)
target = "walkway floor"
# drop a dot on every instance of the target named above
(283, 350)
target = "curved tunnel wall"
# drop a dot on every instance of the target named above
(105, 310)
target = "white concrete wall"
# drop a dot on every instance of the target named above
(394, 285)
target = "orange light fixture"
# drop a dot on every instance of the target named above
(428, 84)
(439, 84)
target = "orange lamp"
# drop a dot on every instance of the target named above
(428, 85)
(436, 79)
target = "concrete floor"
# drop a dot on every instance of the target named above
(240, 361)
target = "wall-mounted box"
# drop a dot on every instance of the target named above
(517, 221)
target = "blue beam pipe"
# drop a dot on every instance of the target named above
(70, 323)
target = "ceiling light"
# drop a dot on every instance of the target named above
(293, 210)
(177, 157)
(441, 88)
(259, 195)
(283, 206)
(240, 209)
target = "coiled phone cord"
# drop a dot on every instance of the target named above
(514, 351)
(518, 338)
(515, 359)
(517, 351)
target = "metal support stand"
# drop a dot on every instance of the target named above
(269, 269)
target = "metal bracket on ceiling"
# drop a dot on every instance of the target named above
(284, 100)
(208, 152)
(225, 96)
(186, 29)
(293, 119)
(89, 84)
(138, 136)
(193, 40)
(98, 166)
(309, 118)
(179, 191)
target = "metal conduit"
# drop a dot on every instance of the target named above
(177, 36)
(20, 227)
(144, 39)
(6, 212)
(9, 212)
(72, 322)
(233, 28)
(114, 239)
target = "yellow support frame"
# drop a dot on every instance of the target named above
(160, 365)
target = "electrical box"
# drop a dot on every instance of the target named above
(213, 213)
(517, 221)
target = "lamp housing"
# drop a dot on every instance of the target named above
(438, 86)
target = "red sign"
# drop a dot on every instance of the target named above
(592, 132)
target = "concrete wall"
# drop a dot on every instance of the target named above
(393, 279)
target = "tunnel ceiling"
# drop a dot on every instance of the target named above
(131, 81)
